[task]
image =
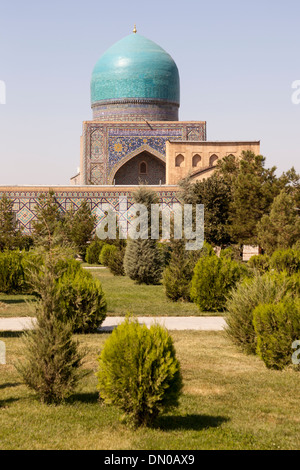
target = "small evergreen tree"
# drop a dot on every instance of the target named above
(47, 225)
(143, 260)
(10, 235)
(93, 251)
(245, 297)
(212, 280)
(139, 372)
(277, 326)
(78, 227)
(177, 276)
(51, 357)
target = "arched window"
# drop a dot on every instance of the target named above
(196, 160)
(179, 160)
(213, 160)
(143, 168)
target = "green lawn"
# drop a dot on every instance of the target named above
(123, 295)
(230, 401)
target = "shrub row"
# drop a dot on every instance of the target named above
(81, 298)
(201, 276)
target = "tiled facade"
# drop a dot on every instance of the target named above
(108, 145)
(25, 199)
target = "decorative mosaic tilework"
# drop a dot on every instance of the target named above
(120, 147)
(26, 201)
(111, 143)
(133, 110)
(97, 173)
(97, 145)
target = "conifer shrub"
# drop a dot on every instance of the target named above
(212, 280)
(143, 261)
(139, 372)
(261, 263)
(277, 326)
(12, 280)
(93, 251)
(177, 275)
(116, 261)
(286, 260)
(247, 295)
(51, 359)
(81, 301)
(106, 253)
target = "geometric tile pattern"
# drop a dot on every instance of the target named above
(24, 201)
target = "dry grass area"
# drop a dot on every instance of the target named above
(230, 401)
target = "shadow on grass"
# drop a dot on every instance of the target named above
(19, 301)
(92, 397)
(189, 422)
(9, 385)
(8, 401)
(11, 334)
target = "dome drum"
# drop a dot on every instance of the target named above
(135, 110)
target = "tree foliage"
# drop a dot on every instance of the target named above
(280, 229)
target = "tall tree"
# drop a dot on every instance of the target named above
(253, 189)
(215, 194)
(281, 228)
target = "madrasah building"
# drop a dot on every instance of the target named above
(135, 136)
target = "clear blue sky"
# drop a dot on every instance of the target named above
(237, 61)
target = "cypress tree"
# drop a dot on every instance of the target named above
(143, 259)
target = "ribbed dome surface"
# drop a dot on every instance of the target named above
(135, 67)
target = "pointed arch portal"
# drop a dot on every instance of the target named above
(143, 168)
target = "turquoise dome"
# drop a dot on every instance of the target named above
(135, 68)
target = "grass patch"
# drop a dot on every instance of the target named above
(230, 401)
(122, 294)
(16, 305)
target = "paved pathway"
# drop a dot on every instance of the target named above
(171, 323)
